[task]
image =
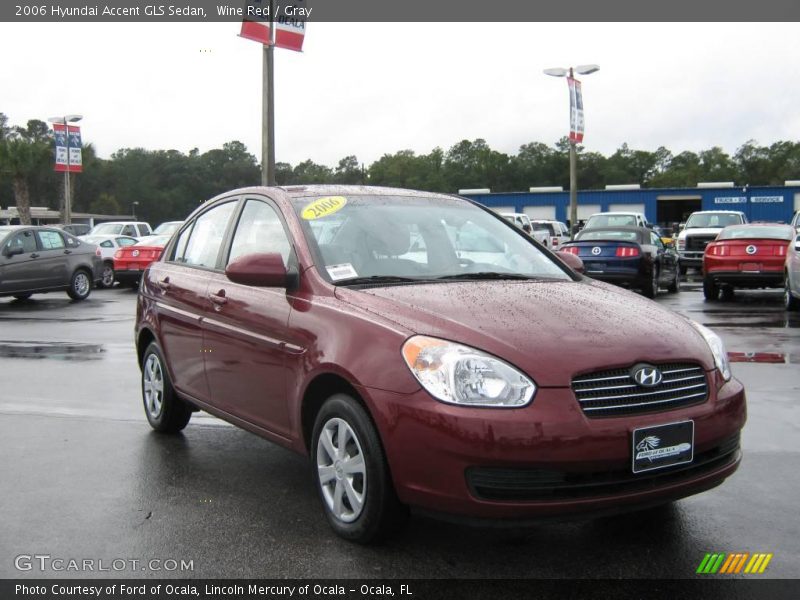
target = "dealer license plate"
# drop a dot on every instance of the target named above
(663, 446)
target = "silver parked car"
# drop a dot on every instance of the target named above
(791, 293)
(36, 260)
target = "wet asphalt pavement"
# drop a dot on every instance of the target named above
(83, 476)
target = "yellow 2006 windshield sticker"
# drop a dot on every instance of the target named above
(322, 207)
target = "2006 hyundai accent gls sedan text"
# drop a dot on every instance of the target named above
(423, 352)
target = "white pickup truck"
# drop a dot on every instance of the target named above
(701, 228)
(523, 221)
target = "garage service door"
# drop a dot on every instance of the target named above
(540, 212)
(585, 211)
(637, 208)
(503, 209)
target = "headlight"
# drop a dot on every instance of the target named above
(462, 375)
(717, 349)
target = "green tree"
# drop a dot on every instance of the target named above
(24, 153)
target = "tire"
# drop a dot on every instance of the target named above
(80, 285)
(650, 290)
(107, 279)
(353, 481)
(683, 269)
(23, 296)
(675, 285)
(727, 293)
(789, 302)
(710, 289)
(165, 412)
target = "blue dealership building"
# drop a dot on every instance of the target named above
(665, 206)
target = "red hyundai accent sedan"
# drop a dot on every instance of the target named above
(425, 353)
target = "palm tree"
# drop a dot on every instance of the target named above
(23, 153)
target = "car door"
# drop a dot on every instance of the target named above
(19, 272)
(179, 283)
(246, 327)
(53, 258)
(665, 257)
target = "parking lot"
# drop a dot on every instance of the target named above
(86, 478)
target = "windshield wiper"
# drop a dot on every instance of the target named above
(488, 275)
(378, 279)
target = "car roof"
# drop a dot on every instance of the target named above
(726, 212)
(617, 212)
(758, 224)
(303, 191)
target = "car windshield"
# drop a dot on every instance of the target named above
(154, 240)
(409, 238)
(168, 228)
(757, 233)
(106, 228)
(610, 221)
(591, 235)
(712, 220)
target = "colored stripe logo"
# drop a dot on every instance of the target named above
(734, 563)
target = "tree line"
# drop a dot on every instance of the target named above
(169, 184)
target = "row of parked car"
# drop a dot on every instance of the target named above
(36, 259)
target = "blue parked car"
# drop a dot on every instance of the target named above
(633, 257)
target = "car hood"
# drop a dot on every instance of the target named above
(700, 230)
(551, 330)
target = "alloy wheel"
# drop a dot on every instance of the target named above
(341, 470)
(153, 378)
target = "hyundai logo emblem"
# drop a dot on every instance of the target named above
(646, 375)
(750, 249)
(596, 250)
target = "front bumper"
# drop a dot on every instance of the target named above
(442, 456)
(690, 259)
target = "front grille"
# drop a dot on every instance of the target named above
(519, 485)
(614, 392)
(699, 242)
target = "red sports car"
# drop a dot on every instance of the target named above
(129, 262)
(745, 256)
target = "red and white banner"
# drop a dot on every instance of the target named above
(575, 110)
(290, 31)
(68, 148)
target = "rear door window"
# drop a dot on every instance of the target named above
(205, 240)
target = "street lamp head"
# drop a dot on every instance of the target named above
(587, 69)
(65, 119)
(556, 72)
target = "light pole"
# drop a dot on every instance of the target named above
(133, 209)
(573, 154)
(65, 121)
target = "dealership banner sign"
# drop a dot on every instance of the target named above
(575, 110)
(289, 20)
(68, 148)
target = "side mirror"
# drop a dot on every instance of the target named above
(573, 262)
(258, 270)
(13, 251)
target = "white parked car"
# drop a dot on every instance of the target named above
(616, 219)
(702, 227)
(168, 228)
(107, 245)
(130, 228)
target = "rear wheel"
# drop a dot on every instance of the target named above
(165, 412)
(683, 269)
(789, 301)
(710, 289)
(80, 286)
(650, 290)
(351, 473)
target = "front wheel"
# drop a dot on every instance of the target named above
(165, 412)
(789, 301)
(80, 286)
(710, 289)
(351, 473)
(107, 280)
(675, 284)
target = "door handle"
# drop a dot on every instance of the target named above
(218, 299)
(34, 255)
(67, 251)
(163, 283)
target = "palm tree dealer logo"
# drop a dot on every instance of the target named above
(648, 448)
(734, 563)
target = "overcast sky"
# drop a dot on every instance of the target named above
(370, 89)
